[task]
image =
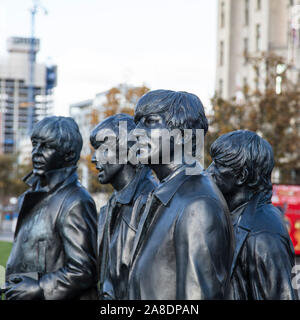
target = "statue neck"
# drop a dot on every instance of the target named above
(238, 197)
(164, 170)
(124, 177)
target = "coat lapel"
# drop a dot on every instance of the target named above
(162, 195)
(101, 224)
(30, 198)
(27, 202)
(144, 225)
(243, 227)
(240, 237)
(104, 239)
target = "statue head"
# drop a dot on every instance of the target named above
(56, 143)
(110, 129)
(169, 110)
(242, 160)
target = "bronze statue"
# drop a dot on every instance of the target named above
(184, 245)
(264, 255)
(54, 250)
(119, 218)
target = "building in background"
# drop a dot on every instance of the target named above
(14, 93)
(250, 27)
(84, 113)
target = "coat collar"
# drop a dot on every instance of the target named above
(31, 197)
(163, 193)
(166, 190)
(236, 214)
(54, 178)
(248, 216)
(244, 226)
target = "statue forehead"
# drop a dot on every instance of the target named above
(105, 132)
(43, 136)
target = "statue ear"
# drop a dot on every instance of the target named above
(242, 177)
(70, 156)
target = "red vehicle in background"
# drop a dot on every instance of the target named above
(287, 199)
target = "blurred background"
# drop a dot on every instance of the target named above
(89, 59)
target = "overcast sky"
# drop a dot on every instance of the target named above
(97, 44)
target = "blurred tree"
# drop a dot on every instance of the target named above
(94, 117)
(112, 104)
(11, 174)
(122, 99)
(272, 110)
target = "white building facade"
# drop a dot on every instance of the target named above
(250, 27)
(82, 113)
(14, 99)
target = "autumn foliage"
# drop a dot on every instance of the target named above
(274, 113)
(122, 99)
(11, 174)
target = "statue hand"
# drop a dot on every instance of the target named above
(23, 288)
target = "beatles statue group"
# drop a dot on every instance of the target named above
(163, 234)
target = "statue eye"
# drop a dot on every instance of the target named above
(150, 120)
(48, 146)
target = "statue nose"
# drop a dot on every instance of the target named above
(36, 149)
(94, 160)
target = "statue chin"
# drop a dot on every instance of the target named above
(38, 172)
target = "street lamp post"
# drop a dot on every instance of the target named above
(31, 95)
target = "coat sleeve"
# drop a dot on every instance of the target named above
(77, 227)
(105, 283)
(203, 251)
(271, 268)
(107, 292)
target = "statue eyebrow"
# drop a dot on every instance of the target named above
(137, 117)
(140, 115)
(44, 140)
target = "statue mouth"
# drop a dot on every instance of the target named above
(38, 164)
(100, 169)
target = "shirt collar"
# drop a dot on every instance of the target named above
(126, 195)
(168, 187)
(53, 178)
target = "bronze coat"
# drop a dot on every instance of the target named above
(55, 237)
(264, 255)
(118, 222)
(184, 245)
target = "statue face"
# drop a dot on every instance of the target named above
(45, 157)
(152, 124)
(223, 177)
(107, 171)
